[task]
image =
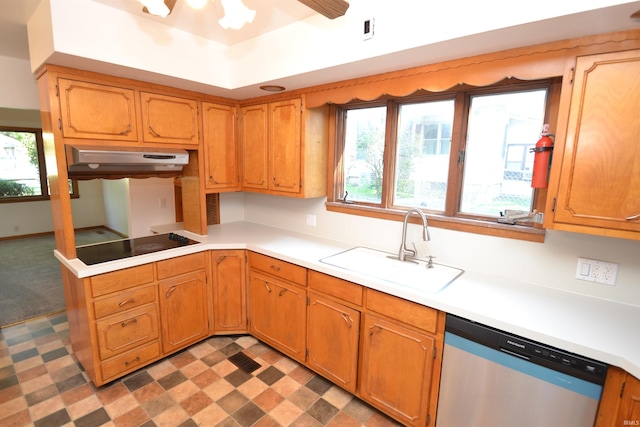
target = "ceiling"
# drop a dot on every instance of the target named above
(270, 15)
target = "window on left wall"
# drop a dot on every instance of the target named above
(23, 174)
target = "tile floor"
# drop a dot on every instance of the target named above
(42, 385)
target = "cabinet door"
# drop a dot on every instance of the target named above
(220, 147)
(183, 306)
(599, 183)
(169, 119)
(278, 314)
(285, 146)
(254, 147)
(333, 334)
(229, 291)
(396, 368)
(629, 412)
(97, 111)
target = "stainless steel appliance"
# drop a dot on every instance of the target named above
(494, 379)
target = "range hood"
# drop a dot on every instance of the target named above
(91, 162)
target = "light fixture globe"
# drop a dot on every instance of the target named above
(236, 14)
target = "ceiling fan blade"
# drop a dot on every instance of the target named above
(329, 8)
(169, 3)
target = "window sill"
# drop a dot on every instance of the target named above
(518, 232)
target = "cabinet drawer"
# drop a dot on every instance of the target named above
(121, 279)
(276, 267)
(127, 330)
(130, 360)
(405, 311)
(124, 301)
(346, 291)
(184, 264)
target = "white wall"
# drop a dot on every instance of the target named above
(18, 87)
(116, 204)
(151, 202)
(552, 263)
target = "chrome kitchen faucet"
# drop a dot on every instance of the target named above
(404, 250)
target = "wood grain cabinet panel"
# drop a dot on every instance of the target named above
(284, 148)
(277, 313)
(599, 179)
(229, 291)
(332, 338)
(169, 119)
(396, 369)
(254, 145)
(220, 143)
(183, 310)
(620, 401)
(97, 111)
(127, 330)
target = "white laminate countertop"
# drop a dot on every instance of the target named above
(592, 327)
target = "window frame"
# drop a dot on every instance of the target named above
(451, 218)
(42, 170)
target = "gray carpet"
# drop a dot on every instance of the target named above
(30, 277)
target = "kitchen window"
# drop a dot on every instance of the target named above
(463, 157)
(23, 174)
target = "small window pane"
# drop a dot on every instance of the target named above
(497, 167)
(422, 161)
(19, 169)
(364, 154)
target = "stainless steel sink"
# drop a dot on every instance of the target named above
(412, 273)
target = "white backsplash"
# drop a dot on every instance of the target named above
(552, 263)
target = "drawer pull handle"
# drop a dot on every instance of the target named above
(129, 301)
(282, 292)
(169, 291)
(266, 285)
(633, 217)
(347, 319)
(128, 362)
(128, 322)
(275, 267)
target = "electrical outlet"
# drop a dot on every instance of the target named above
(311, 220)
(593, 270)
(368, 28)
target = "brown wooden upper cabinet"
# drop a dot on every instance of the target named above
(169, 119)
(221, 172)
(598, 182)
(97, 111)
(284, 149)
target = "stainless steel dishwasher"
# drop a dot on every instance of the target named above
(494, 379)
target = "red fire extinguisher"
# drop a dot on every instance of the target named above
(542, 159)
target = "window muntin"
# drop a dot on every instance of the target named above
(363, 154)
(422, 154)
(497, 166)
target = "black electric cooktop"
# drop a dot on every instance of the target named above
(120, 249)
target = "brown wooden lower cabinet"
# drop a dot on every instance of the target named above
(620, 402)
(332, 340)
(183, 310)
(229, 291)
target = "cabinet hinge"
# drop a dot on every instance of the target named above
(308, 301)
(622, 388)
(428, 419)
(461, 157)
(572, 74)
(435, 352)
(306, 353)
